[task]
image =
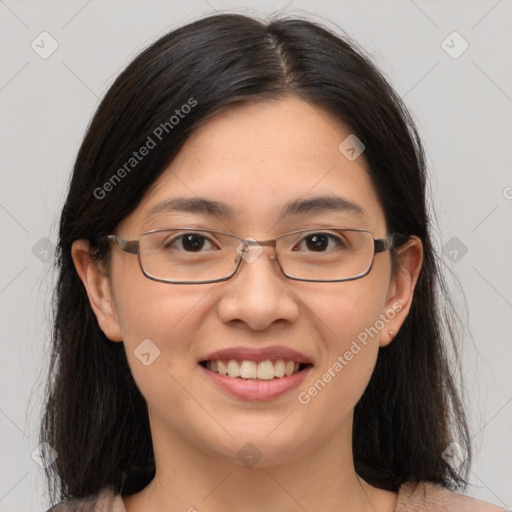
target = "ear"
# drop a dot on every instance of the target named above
(98, 287)
(401, 288)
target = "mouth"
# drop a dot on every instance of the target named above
(255, 380)
(250, 373)
(249, 370)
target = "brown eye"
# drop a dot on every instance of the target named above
(320, 242)
(189, 242)
(193, 242)
(317, 242)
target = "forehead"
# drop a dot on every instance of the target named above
(258, 159)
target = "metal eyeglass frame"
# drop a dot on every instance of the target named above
(133, 247)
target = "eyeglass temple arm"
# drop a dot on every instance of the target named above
(383, 244)
(131, 247)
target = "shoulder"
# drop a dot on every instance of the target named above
(429, 497)
(104, 501)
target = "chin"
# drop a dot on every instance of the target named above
(257, 448)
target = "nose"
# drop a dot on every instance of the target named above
(258, 295)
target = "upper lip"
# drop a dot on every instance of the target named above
(258, 354)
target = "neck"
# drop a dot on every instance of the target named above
(316, 478)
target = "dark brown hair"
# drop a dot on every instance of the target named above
(95, 417)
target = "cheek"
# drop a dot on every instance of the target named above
(345, 311)
(157, 320)
(348, 325)
(148, 309)
(351, 338)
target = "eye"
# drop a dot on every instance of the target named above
(321, 242)
(190, 242)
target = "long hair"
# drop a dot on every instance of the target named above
(94, 415)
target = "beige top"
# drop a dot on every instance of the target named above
(422, 497)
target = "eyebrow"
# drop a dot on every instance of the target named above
(320, 204)
(192, 205)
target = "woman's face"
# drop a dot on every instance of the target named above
(255, 159)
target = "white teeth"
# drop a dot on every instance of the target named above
(263, 370)
(233, 368)
(279, 368)
(248, 370)
(222, 369)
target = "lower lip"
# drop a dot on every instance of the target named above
(257, 389)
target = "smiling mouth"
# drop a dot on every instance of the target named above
(255, 370)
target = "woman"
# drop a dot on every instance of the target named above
(247, 313)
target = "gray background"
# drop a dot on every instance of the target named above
(463, 107)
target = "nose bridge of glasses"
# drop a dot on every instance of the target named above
(249, 248)
(270, 243)
(252, 241)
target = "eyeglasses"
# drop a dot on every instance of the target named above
(199, 256)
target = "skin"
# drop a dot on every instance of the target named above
(254, 157)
